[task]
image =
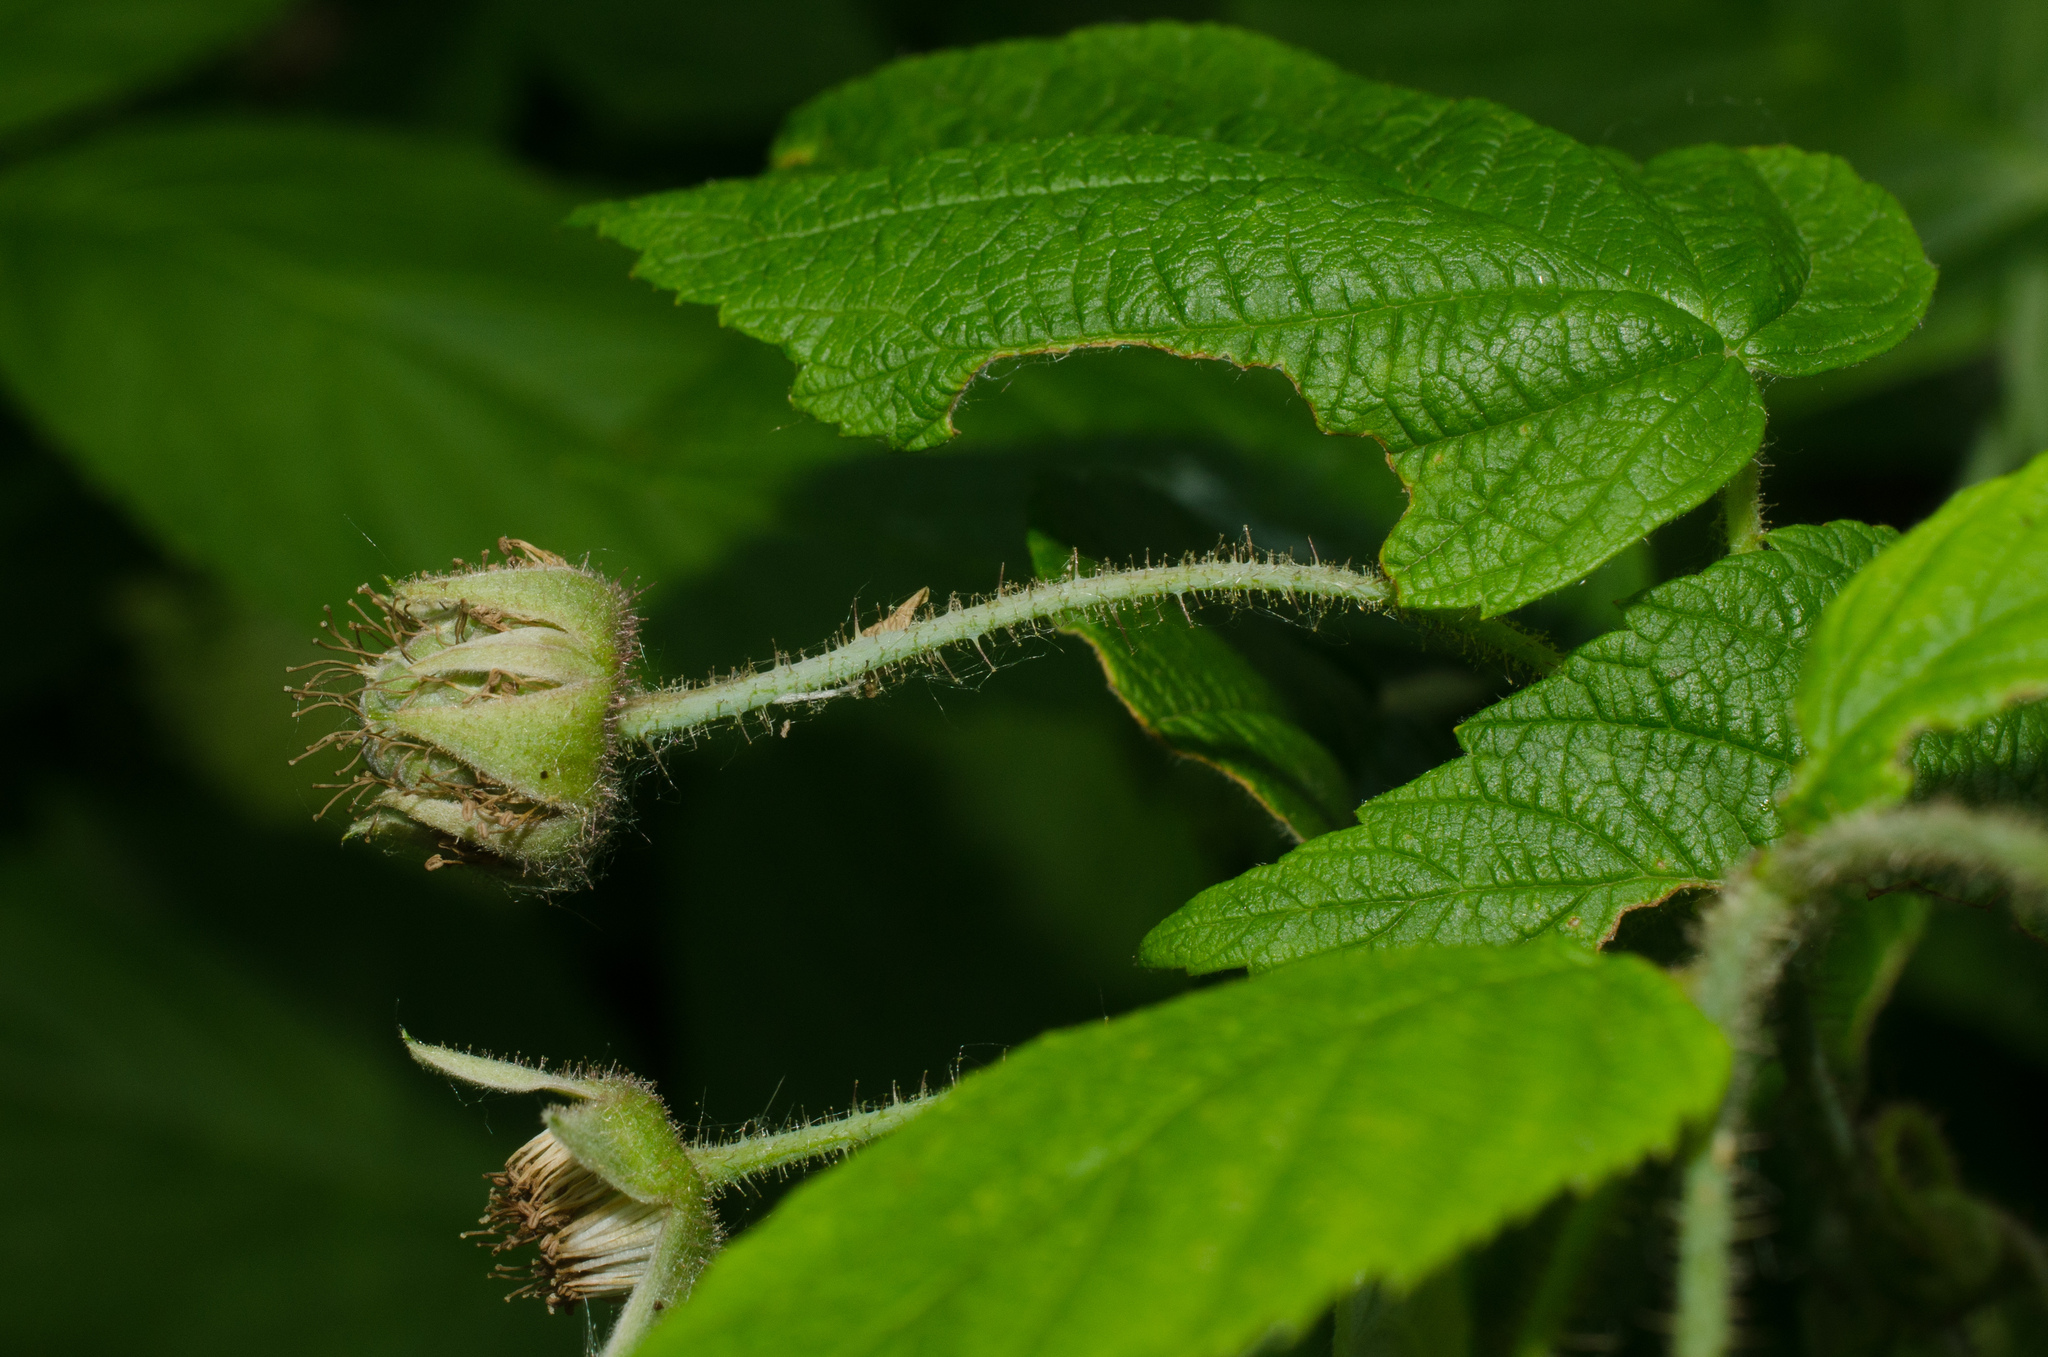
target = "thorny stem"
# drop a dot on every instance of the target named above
(1743, 948)
(1742, 510)
(648, 717)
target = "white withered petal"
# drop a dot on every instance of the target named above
(590, 1239)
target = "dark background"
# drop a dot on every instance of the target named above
(216, 1141)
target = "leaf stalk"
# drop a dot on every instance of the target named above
(1742, 509)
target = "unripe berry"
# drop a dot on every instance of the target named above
(481, 707)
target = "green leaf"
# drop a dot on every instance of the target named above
(1811, 267)
(1644, 767)
(1549, 344)
(1195, 692)
(61, 55)
(1941, 631)
(1187, 1179)
(2002, 761)
(305, 357)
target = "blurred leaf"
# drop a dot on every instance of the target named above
(1976, 970)
(1190, 1178)
(1432, 1320)
(212, 673)
(1851, 974)
(1205, 701)
(305, 356)
(59, 55)
(2021, 430)
(233, 1175)
(1283, 479)
(651, 67)
(1943, 629)
(1216, 195)
(1093, 843)
(1645, 766)
(1643, 77)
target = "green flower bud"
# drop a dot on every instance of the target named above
(481, 707)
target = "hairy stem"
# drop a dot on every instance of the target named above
(1899, 847)
(1743, 948)
(1742, 509)
(723, 1164)
(1500, 640)
(676, 711)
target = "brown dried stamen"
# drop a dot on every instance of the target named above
(593, 1239)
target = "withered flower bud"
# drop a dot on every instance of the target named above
(481, 706)
(611, 1198)
(592, 1240)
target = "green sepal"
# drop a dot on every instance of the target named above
(548, 746)
(570, 598)
(427, 822)
(503, 1076)
(625, 1137)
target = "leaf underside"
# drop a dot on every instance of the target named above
(1553, 345)
(1943, 630)
(1645, 766)
(1190, 688)
(1182, 1181)
(59, 57)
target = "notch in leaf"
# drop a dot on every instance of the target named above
(1554, 347)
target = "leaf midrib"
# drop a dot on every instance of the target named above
(1311, 173)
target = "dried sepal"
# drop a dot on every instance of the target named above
(481, 708)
